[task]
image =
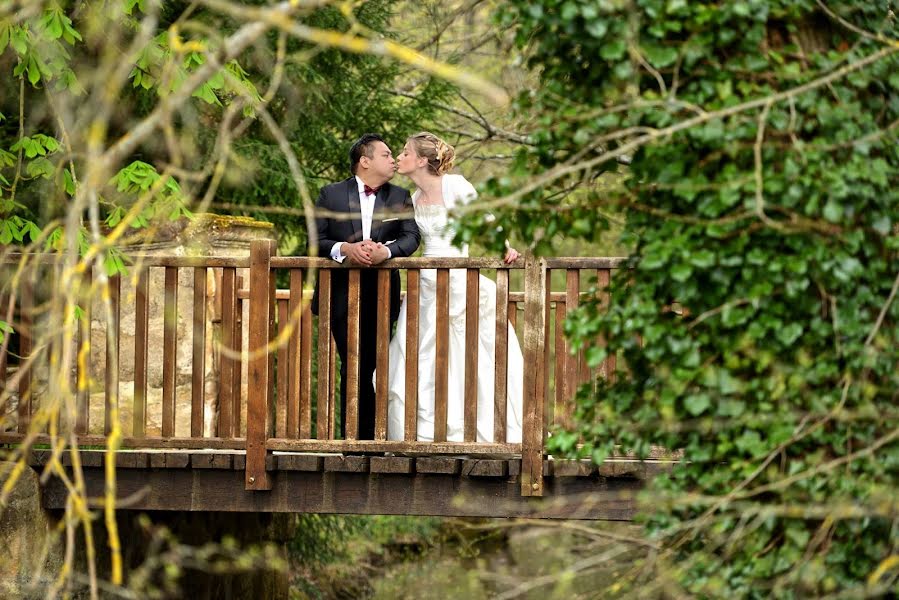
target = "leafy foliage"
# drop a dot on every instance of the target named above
(326, 99)
(329, 99)
(763, 200)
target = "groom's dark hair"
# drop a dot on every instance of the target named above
(364, 146)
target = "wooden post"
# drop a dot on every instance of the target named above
(261, 312)
(534, 376)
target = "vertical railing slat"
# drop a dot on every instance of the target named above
(83, 376)
(323, 399)
(472, 302)
(410, 430)
(198, 364)
(169, 351)
(351, 411)
(6, 314)
(26, 333)
(381, 360)
(261, 309)
(441, 375)
(501, 356)
(548, 406)
(294, 365)
(534, 374)
(228, 363)
(333, 392)
(572, 291)
(569, 374)
(560, 411)
(141, 331)
(113, 334)
(305, 363)
(270, 402)
(603, 277)
(281, 406)
(237, 382)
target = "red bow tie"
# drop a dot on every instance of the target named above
(371, 191)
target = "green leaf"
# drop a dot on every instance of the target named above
(659, 56)
(597, 29)
(5, 328)
(40, 167)
(833, 211)
(789, 334)
(681, 272)
(34, 70)
(6, 231)
(882, 225)
(4, 37)
(613, 50)
(697, 404)
(69, 182)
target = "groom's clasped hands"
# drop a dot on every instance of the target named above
(366, 252)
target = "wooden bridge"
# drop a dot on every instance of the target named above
(264, 438)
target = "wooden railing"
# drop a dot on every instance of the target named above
(268, 345)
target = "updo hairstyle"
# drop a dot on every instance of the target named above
(439, 154)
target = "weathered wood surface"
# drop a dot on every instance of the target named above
(410, 430)
(440, 486)
(534, 386)
(441, 349)
(169, 351)
(261, 308)
(141, 332)
(197, 403)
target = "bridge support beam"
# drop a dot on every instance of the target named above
(336, 484)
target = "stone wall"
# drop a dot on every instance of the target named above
(32, 553)
(34, 546)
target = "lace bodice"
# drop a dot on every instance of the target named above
(436, 234)
(433, 219)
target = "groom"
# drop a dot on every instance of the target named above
(364, 220)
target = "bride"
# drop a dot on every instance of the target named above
(426, 160)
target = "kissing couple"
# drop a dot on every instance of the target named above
(366, 220)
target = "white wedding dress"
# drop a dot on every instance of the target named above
(437, 238)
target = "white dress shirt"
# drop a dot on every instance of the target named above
(367, 206)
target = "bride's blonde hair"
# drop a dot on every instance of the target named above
(439, 154)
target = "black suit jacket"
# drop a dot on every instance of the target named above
(392, 222)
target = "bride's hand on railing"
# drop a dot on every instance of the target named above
(511, 254)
